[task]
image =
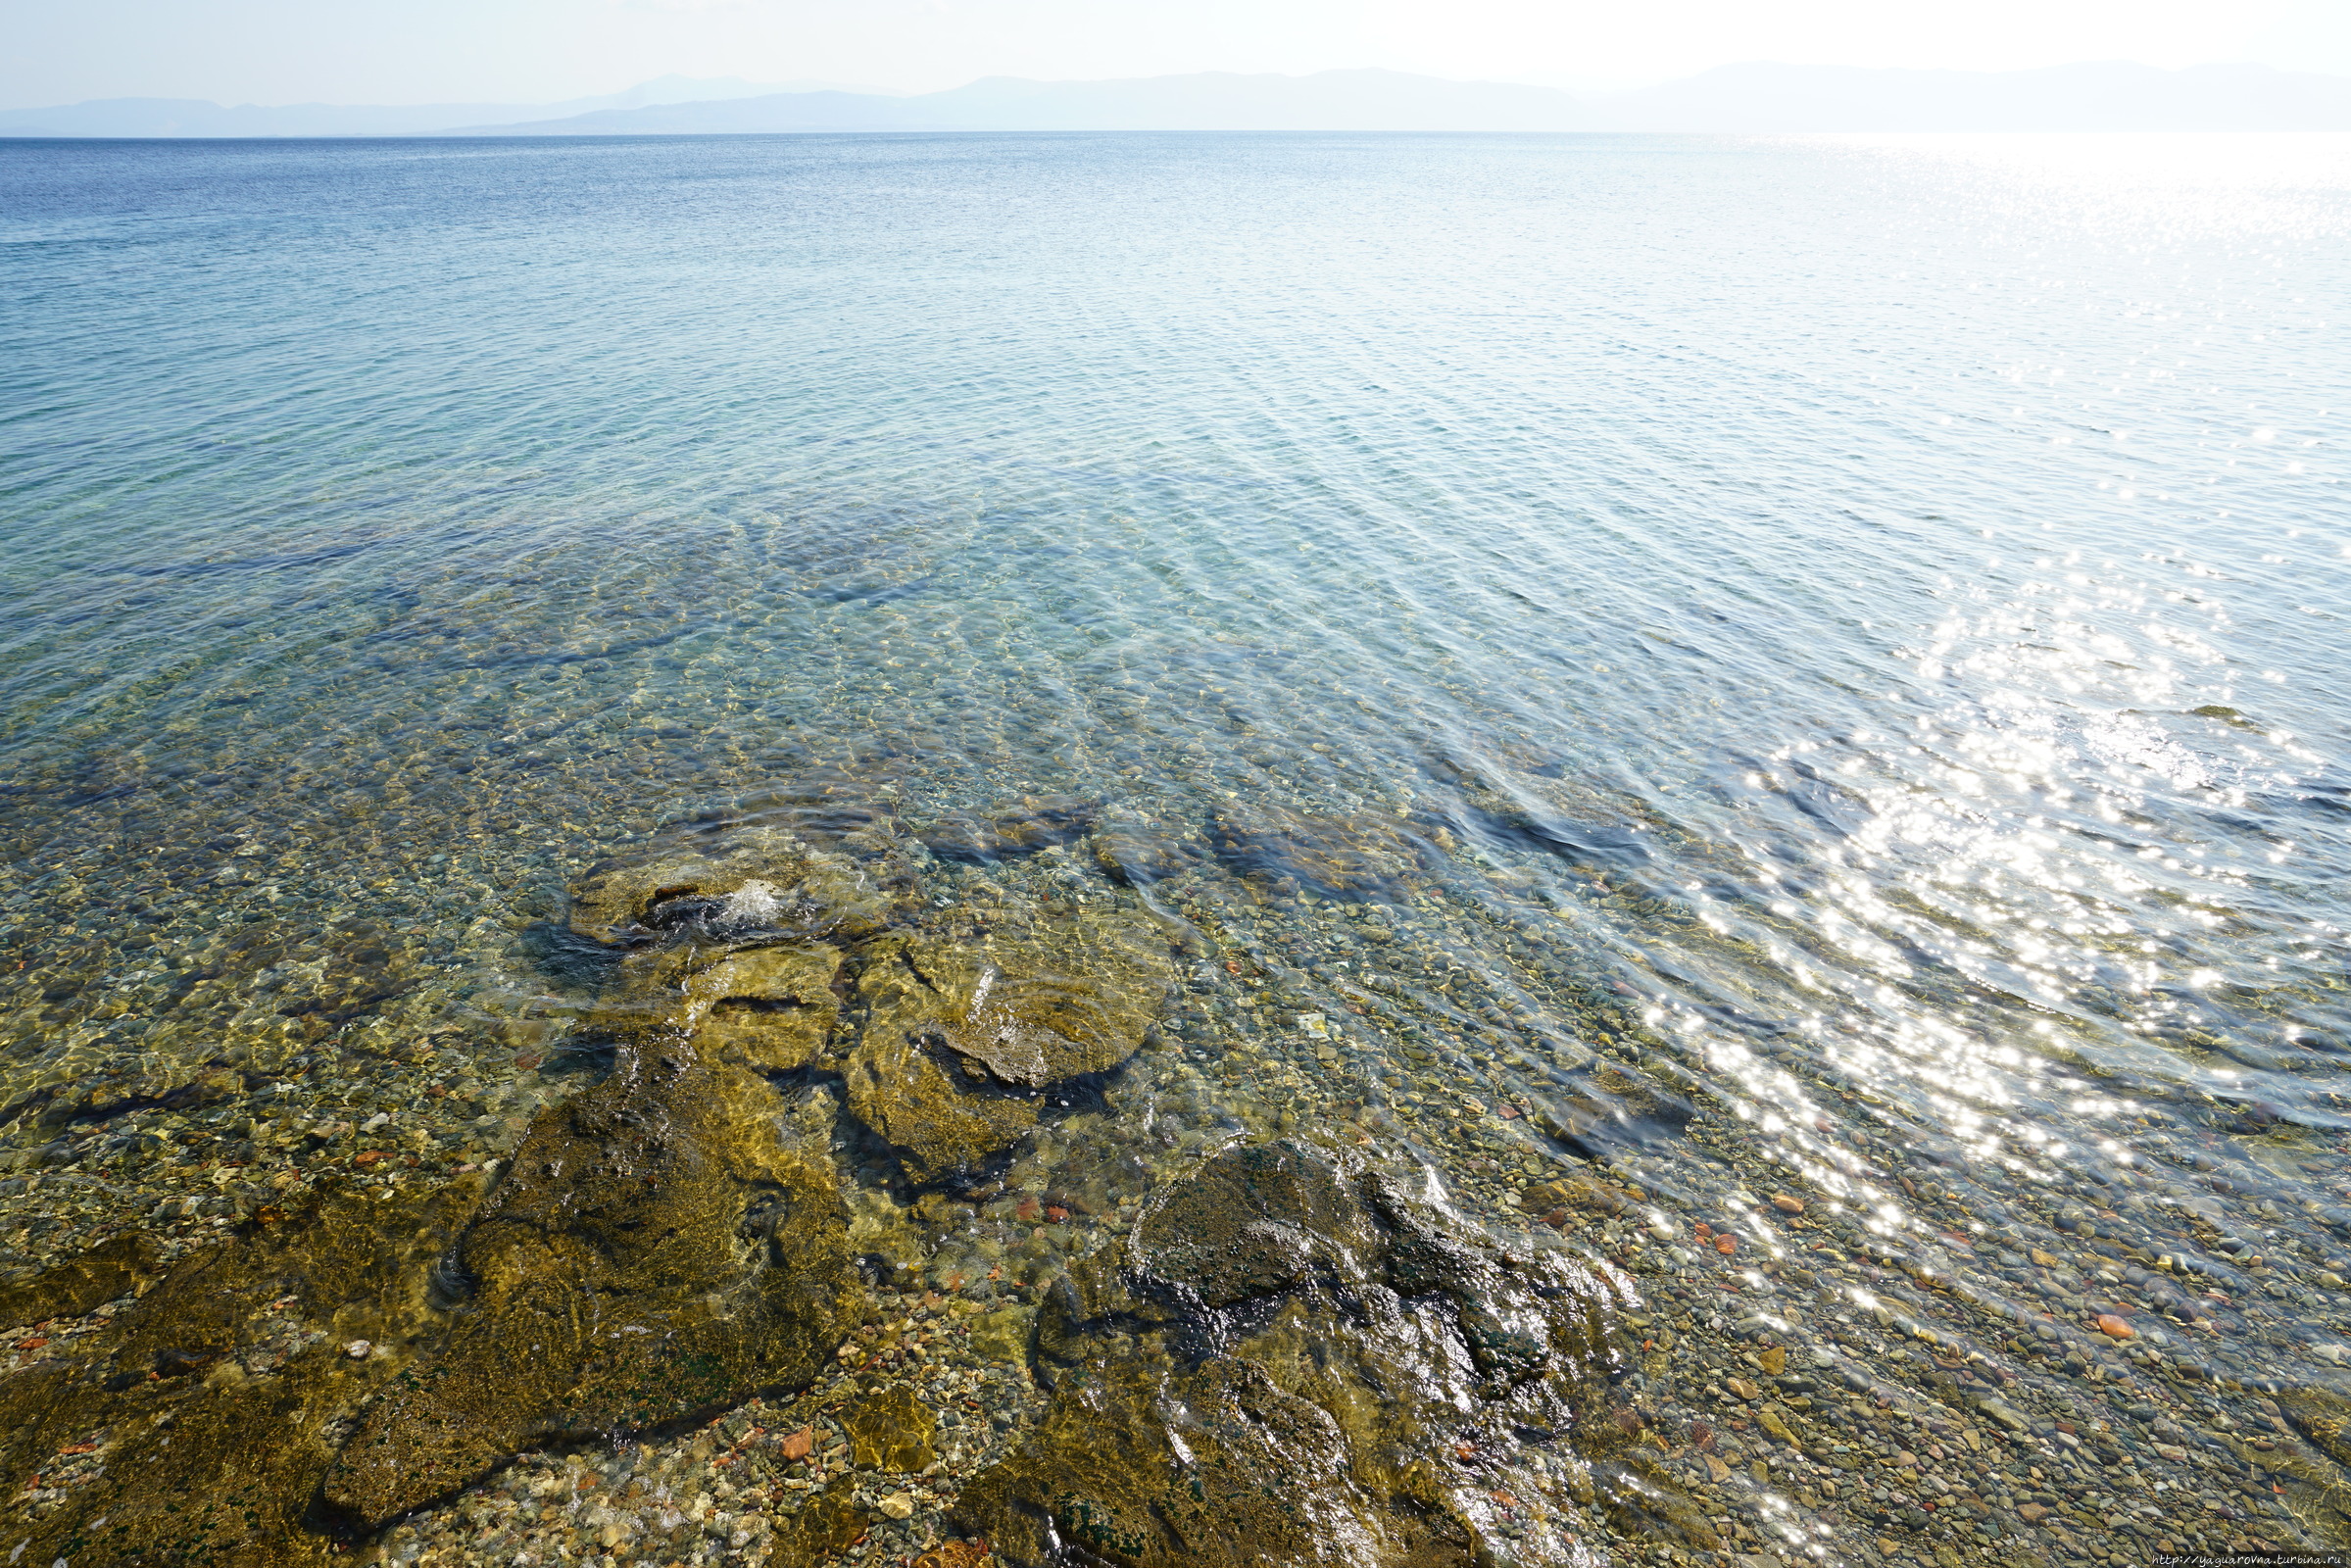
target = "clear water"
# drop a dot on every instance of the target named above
(1907, 580)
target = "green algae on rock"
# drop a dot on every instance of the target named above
(1357, 856)
(768, 1008)
(656, 1251)
(742, 880)
(892, 1430)
(211, 1418)
(113, 1269)
(1025, 828)
(1294, 1361)
(959, 1038)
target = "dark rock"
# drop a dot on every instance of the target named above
(99, 1275)
(755, 882)
(1361, 856)
(1289, 1364)
(960, 1039)
(717, 1258)
(1135, 852)
(1025, 828)
(225, 1467)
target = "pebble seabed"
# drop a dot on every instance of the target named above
(2062, 1370)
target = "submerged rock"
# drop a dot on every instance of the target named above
(209, 1418)
(1135, 852)
(106, 1271)
(1611, 1107)
(767, 1008)
(960, 1040)
(738, 883)
(656, 1251)
(1292, 1362)
(1359, 857)
(892, 1430)
(1026, 826)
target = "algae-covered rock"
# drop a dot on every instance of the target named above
(1004, 1334)
(892, 1430)
(747, 882)
(1022, 827)
(1297, 1363)
(826, 1524)
(208, 1416)
(656, 1251)
(770, 1009)
(1362, 855)
(112, 1268)
(1135, 851)
(960, 1040)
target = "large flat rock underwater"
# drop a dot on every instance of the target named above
(1292, 1360)
(1289, 1355)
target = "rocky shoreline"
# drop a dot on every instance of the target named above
(1051, 1178)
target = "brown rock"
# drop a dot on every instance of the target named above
(1773, 1360)
(718, 1258)
(955, 1554)
(755, 882)
(1022, 827)
(1364, 855)
(770, 1009)
(90, 1279)
(798, 1445)
(892, 1430)
(962, 1037)
(1787, 1204)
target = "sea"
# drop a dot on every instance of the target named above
(1738, 667)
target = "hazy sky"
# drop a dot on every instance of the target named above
(429, 51)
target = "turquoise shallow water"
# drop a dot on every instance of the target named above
(1864, 615)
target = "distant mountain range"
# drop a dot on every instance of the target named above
(197, 118)
(1748, 98)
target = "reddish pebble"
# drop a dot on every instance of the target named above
(526, 1063)
(798, 1445)
(1057, 1213)
(1726, 1244)
(31, 1345)
(2114, 1327)
(1027, 1208)
(1704, 1229)
(366, 1157)
(1787, 1204)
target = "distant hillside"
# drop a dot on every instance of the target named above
(199, 118)
(1749, 98)
(1331, 100)
(1736, 98)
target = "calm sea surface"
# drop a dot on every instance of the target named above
(1854, 631)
